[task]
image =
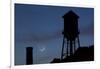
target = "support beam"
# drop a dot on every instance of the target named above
(62, 48)
(67, 48)
(78, 42)
(74, 47)
(71, 48)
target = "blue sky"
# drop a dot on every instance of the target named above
(41, 27)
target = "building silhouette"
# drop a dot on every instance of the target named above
(29, 55)
(81, 54)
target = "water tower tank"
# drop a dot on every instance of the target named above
(70, 25)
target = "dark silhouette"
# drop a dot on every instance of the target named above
(81, 54)
(29, 55)
(56, 60)
(70, 33)
(70, 38)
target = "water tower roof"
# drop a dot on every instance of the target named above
(70, 14)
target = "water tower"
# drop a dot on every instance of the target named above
(70, 34)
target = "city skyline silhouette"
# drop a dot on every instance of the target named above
(41, 27)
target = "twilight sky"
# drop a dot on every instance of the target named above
(41, 27)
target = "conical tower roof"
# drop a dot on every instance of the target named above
(70, 14)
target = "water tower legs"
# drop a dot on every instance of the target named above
(78, 42)
(62, 48)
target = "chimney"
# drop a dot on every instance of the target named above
(29, 55)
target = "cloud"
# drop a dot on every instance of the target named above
(88, 30)
(39, 37)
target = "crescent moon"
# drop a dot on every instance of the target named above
(42, 49)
